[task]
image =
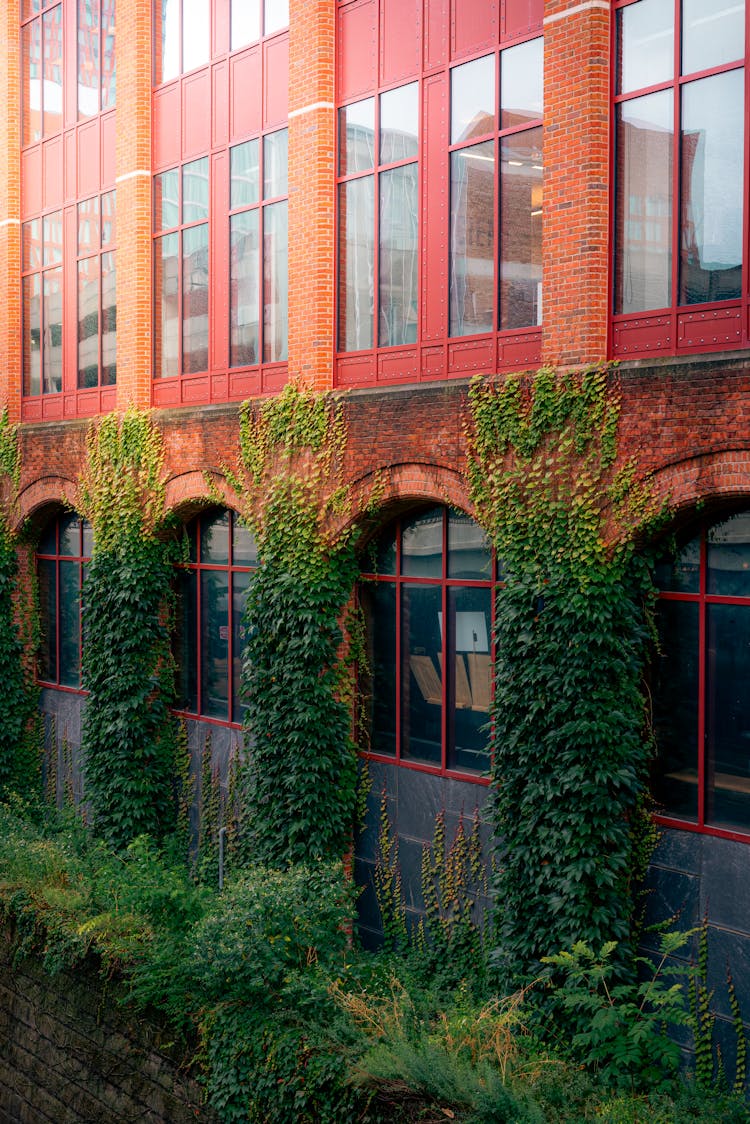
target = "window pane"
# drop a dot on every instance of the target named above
(166, 307)
(195, 299)
(728, 716)
(108, 222)
(713, 32)
(214, 534)
(245, 22)
(398, 262)
(70, 535)
(88, 58)
(643, 224)
(473, 99)
(275, 164)
(185, 640)
(196, 33)
(88, 540)
(53, 238)
(88, 322)
(421, 681)
(214, 643)
(472, 240)
(243, 189)
(88, 226)
(357, 137)
(166, 200)
(32, 82)
(469, 554)
(356, 264)
(711, 199)
(32, 331)
(680, 574)
(422, 545)
(109, 55)
(52, 328)
(676, 709)
(521, 230)
(399, 124)
(728, 558)
(521, 83)
(275, 283)
(167, 38)
(469, 677)
(276, 16)
(377, 683)
(70, 624)
(46, 574)
(109, 320)
(195, 191)
(244, 547)
(244, 297)
(646, 44)
(32, 244)
(53, 68)
(240, 586)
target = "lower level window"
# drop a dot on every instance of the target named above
(212, 588)
(701, 701)
(427, 602)
(63, 551)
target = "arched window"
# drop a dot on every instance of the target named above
(702, 687)
(428, 592)
(61, 557)
(213, 585)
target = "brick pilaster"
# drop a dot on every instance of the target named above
(576, 180)
(10, 210)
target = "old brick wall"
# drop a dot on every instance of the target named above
(68, 1054)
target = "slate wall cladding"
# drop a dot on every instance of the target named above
(69, 1056)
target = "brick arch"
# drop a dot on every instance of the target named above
(189, 491)
(714, 478)
(48, 492)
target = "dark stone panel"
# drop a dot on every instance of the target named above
(725, 889)
(679, 850)
(670, 894)
(421, 796)
(368, 913)
(729, 950)
(410, 861)
(725, 1038)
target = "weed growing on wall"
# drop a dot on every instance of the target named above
(128, 735)
(569, 746)
(302, 765)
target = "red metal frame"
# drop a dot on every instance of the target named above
(680, 329)
(399, 580)
(702, 599)
(435, 355)
(81, 559)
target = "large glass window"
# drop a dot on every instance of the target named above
(41, 69)
(427, 600)
(378, 220)
(97, 305)
(253, 18)
(209, 637)
(496, 122)
(42, 285)
(63, 551)
(181, 289)
(182, 37)
(701, 698)
(679, 124)
(96, 56)
(258, 282)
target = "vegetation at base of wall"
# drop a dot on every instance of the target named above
(128, 735)
(569, 736)
(301, 772)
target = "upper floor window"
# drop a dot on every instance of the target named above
(378, 194)
(182, 31)
(63, 551)
(41, 69)
(42, 288)
(96, 56)
(680, 151)
(209, 638)
(701, 701)
(97, 305)
(428, 605)
(496, 122)
(253, 18)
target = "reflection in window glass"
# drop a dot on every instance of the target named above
(713, 32)
(244, 296)
(195, 299)
(167, 35)
(166, 300)
(275, 16)
(472, 240)
(398, 265)
(245, 174)
(275, 164)
(357, 137)
(399, 124)
(31, 81)
(521, 226)
(275, 282)
(88, 58)
(645, 44)
(245, 22)
(356, 263)
(473, 99)
(522, 84)
(52, 329)
(422, 545)
(52, 70)
(64, 548)
(728, 557)
(196, 33)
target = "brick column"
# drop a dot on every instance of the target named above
(10, 209)
(312, 173)
(575, 245)
(133, 163)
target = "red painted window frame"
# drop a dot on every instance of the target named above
(702, 599)
(82, 558)
(679, 329)
(443, 583)
(435, 355)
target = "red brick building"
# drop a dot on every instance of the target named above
(203, 199)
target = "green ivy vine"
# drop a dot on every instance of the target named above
(570, 743)
(301, 771)
(128, 735)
